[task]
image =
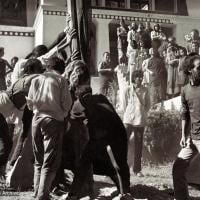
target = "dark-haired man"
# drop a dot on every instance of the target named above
(190, 142)
(50, 100)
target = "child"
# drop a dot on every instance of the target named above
(137, 106)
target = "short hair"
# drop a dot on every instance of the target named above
(83, 90)
(15, 58)
(183, 49)
(189, 63)
(56, 64)
(33, 66)
(106, 52)
(39, 51)
(1, 49)
(158, 25)
(135, 74)
(85, 75)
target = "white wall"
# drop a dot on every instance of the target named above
(53, 25)
(193, 8)
(18, 46)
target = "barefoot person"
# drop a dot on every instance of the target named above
(190, 142)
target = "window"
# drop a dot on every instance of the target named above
(115, 3)
(165, 5)
(13, 12)
(158, 6)
(139, 4)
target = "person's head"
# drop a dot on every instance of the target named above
(157, 27)
(80, 73)
(194, 34)
(106, 57)
(141, 27)
(172, 40)
(147, 26)
(82, 91)
(153, 52)
(195, 47)
(39, 51)
(1, 52)
(134, 26)
(56, 64)
(182, 51)
(193, 70)
(171, 50)
(123, 60)
(189, 63)
(122, 22)
(33, 66)
(14, 61)
(137, 77)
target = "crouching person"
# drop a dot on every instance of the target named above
(50, 100)
(104, 128)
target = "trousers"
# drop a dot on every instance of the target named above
(47, 136)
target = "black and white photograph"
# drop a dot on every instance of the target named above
(100, 99)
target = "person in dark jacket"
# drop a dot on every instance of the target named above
(104, 128)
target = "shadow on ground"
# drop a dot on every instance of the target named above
(104, 191)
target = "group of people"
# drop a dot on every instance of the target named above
(70, 127)
(158, 69)
(160, 58)
(50, 93)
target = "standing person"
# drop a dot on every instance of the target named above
(12, 102)
(122, 40)
(143, 36)
(137, 106)
(157, 33)
(133, 59)
(157, 77)
(132, 38)
(50, 100)
(3, 64)
(13, 61)
(182, 78)
(106, 74)
(172, 71)
(190, 141)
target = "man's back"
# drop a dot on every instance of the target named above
(50, 96)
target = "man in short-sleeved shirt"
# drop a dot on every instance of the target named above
(190, 143)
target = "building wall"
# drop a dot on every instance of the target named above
(193, 8)
(181, 25)
(17, 41)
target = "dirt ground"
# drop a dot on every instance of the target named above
(155, 185)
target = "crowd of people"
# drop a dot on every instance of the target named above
(157, 69)
(72, 128)
(159, 57)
